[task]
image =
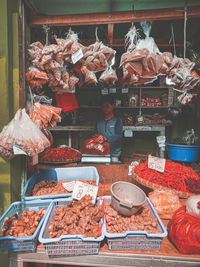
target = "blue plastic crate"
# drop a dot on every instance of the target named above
(13, 243)
(58, 174)
(67, 245)
(135, 240)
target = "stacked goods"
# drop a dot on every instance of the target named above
(22, 133)
(52, 187)
(148, 101)
(22, 225)
(77, 218)
(142, 221)
(155, 119)
(60, 154)
(45, 116)
(175, 176)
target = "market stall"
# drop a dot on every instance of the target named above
(92, 85)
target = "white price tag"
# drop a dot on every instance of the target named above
(161, 139)
(128, 133)
(156, 163)
(82, 189)
(18, 151)
(140, 119)
(77, 56)
(124, 90)
(104, 91)
(112, 90)
(69, 186)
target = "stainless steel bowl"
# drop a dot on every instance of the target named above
(127, 198)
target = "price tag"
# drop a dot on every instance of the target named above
(18, 151)
(69, 186)
(161, 141)
(156, 163)
(82, 189)
(128, 133)
(104, 91)
(77, 56)
(112, 90)
(124, 90)
(140, 119)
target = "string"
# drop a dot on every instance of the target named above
(133, 8)
(173, 38)
(96, 35)
(185, 28)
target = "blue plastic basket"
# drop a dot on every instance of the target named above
(68, 245)
(13, 243)
(58, 174)
(183, 153)
(135, 240)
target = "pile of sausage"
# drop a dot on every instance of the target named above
(22, 225)
(52, 187)
(143, 221)
(77, 218)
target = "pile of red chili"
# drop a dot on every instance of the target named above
(60, 154)
(175, 176)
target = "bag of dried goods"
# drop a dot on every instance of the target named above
(35, 77)
(22, 133)
(165, 202)
(109, 76)
(45, 116)
(185, 227)
(96, 145)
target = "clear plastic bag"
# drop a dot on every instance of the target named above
(109, 76)
(22, 133)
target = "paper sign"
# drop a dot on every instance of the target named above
(156, 163)
(18, 151)
(128, 133)
(124, 90)
(77, 56)
(104, 91)
(82, 189)
(131, 166)
(112, 90)
(69, 186)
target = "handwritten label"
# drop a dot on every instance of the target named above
(18, 151)
(77, 56)
(69, 186)
(128, 133)
(112, 90)
(82, 189)
(104, 91)
(156, 163)
(124, 90)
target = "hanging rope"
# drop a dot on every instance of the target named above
(173, 39)
(185, 28)
(46, 29)
(133, 9)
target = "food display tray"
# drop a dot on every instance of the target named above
(58, 174)
(68, 245)
(12, 243)
(135, 240)
(160, 187)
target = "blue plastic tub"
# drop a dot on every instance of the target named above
(12, 243)
(58, 174)
(135, 240)
(68, 245)
(183, 153)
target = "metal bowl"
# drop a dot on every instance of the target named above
(127, 198)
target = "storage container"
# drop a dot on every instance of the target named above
(185, 153)
(68, 245)
(135, 240)
(58, 174)
(13, 243)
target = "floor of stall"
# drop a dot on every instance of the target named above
(168, 255)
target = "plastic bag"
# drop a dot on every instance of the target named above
(193, 206)
(185, 232)
(109, 76)
(165, 203)
(96, 145)
(22, 133)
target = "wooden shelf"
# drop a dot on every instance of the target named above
(142, 107)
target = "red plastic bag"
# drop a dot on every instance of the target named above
(185, 232)
(67, 102)
(96, 145)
